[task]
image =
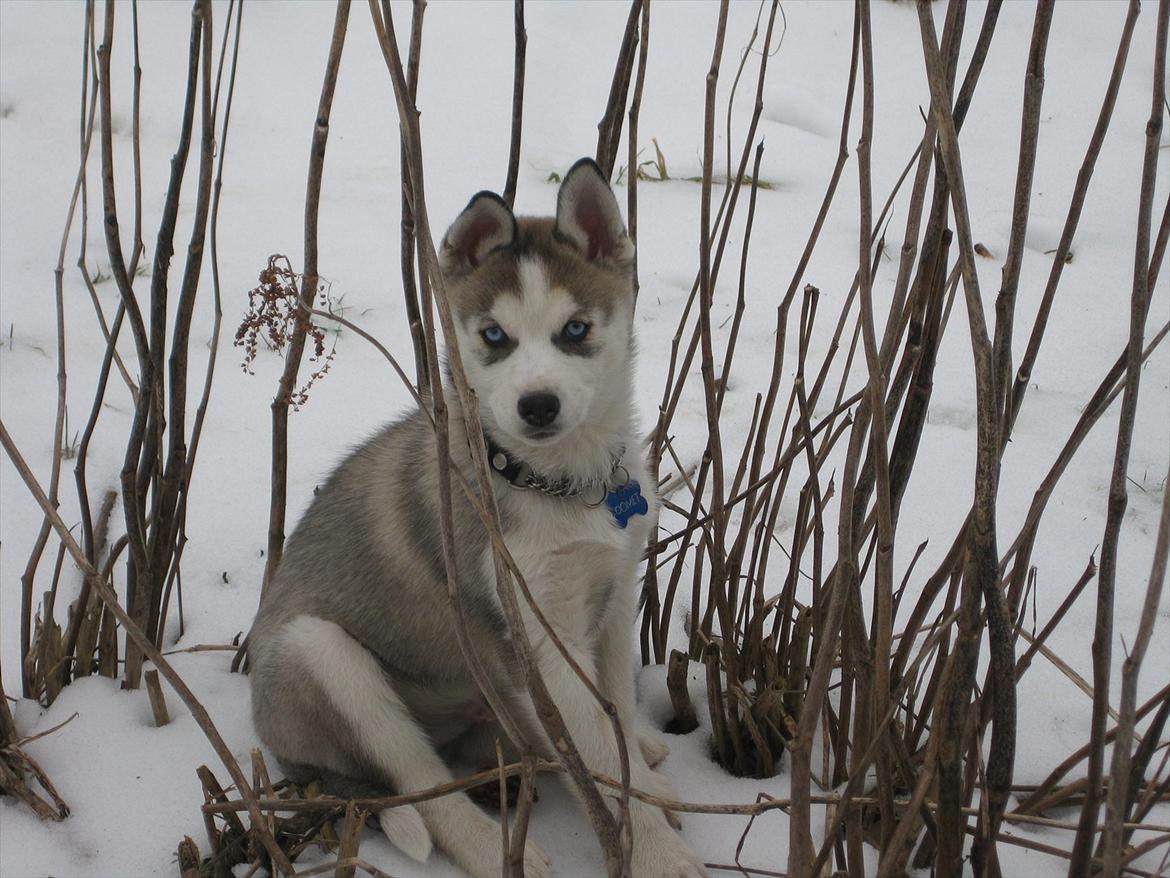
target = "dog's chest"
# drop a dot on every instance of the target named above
(572, 556)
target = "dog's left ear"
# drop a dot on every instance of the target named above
(588, 216)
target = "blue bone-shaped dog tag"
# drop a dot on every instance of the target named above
(626, 502)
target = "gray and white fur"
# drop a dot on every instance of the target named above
(357, 677)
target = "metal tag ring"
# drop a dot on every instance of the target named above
(624, 481)
(600, 500)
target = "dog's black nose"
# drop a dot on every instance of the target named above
(539, 409)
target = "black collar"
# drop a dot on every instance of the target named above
(521, 475)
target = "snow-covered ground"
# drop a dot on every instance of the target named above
(132, 788)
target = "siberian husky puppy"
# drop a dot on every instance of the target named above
(357, 675)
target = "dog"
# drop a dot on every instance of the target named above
(356, 674)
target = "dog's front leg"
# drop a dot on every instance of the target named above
(616, 667)
(657, 849)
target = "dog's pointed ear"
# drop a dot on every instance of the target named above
(588, 216)
(486, 224)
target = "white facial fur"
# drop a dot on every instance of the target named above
(534, 320)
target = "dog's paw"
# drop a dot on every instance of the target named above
(536, 864)
(472, 839)
(663, 855)
(653, 748)
(406, 831)
(488, 858)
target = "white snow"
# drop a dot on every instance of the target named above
(132, 788)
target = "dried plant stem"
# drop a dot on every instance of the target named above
(1107, 391)
(1044, 795)
(1076, 205)
(659, 621)
(505, 845)
(515, 851)
(158, 704)
(107, 596)
(170, 492)
(741, 296)
(29, 576)
(111, 335)
(839, 586)
(714, 447)
(89, 542)
(875, 746)
(879, 450)
(761, 806)
(439, 420)
(333, 803)
(521, 42)
(350, 839)
(1029, 139)
(14, 763)
(1085, 175)
(407, 240)
(607, 828)
(1003, 750)
(1118, 491)
(832, 595)
(673, 387)
(143, 462)
(217, 316)
(981, 576)
(632, 151)
(1063, 666)
(308, 293)
(131, 502)
(609, 129)
(1121, 796)
(1038, 641)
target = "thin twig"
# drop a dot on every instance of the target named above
(604, 824)
(1119, 498)
(308, 294)
(609, 129)
(521, 41)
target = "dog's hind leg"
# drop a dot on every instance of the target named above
(389, 740)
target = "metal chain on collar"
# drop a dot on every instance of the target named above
(521, 476)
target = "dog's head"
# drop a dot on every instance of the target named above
(543, 308)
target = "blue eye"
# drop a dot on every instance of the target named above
(494, 336)
(575, 330)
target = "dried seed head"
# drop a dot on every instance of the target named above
(274, 315)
